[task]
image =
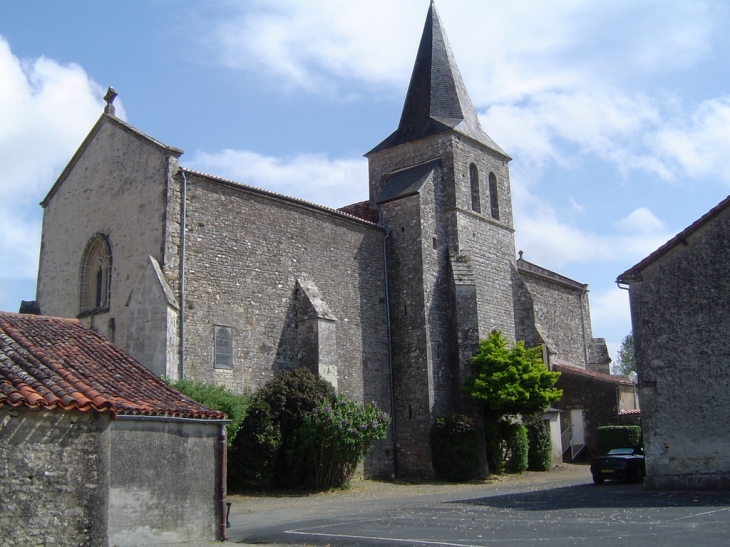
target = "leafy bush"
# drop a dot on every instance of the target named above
(517, 449)
(252, 457)
(218, 398)
(455, 448)
(539, 456)
(507, 445)
(337, 435)
(616, 436)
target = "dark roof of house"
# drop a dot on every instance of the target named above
(681, 237)
(600, 376)
(437, 100)
(407, 182)
(529, 268)
(53, 363)
(361, 210)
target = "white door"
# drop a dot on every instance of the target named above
(576, 424)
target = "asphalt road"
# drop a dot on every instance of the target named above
(563, 512)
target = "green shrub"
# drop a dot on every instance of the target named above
(252, 457)
(616, 436)
(517, 449)
(271, 435)
(455, 448)
(218, 398)
(336, 436)
(539, 457)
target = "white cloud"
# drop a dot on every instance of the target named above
(45, 111)
(311, 177)
(641, 220)
(700, 145)
(553, 242)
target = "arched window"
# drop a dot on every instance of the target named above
(223, 355)
(474, 178)
(95, 275)
(493, 196)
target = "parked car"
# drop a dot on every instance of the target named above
(626, 463)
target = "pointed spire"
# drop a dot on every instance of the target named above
(437, 99)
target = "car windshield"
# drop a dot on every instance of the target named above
(620, 451)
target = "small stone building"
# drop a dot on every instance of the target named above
(590, 400)
(387, 298)
(95, 450)
(681, 325)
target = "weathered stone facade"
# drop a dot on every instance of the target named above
(55, 477)
(681, 329)
(387, 299)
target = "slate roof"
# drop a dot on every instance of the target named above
(681, 237)
(362, 210)
(53, 363)
(528, 267)
(407, 182)
(437, 100)
(600, 376)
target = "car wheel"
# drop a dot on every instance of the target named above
(598, 479)
(637, 475)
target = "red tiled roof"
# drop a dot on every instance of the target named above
(53, 363)
(612, 378)
(661, 251)
(632, 412)
(362, 210)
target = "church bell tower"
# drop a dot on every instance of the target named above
(441, 185)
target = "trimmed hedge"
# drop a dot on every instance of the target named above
(455, 448)
(541, 446)
(518, 449)
(616, 436)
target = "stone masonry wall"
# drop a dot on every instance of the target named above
(563, 316)
(681, 330)
(245, 251)
(54, 469)
(115, 187)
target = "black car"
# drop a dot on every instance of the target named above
(620, 463)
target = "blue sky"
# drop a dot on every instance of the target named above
(617, 114)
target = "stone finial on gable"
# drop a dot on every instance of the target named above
(109, 98)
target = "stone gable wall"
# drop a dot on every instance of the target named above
(681, 330)
(563, 316)
(54, 469)
(117, 188)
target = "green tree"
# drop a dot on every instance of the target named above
(511, 380)
(626, 361)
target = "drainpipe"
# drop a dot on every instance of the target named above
(390, 345)
(183, 212)
(223, 448)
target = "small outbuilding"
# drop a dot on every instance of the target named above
(95, 450)
(681, 324)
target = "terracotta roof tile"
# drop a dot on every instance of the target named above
(52, 363)
(612, 378)
(361, 210)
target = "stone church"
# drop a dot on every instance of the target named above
(203, 277)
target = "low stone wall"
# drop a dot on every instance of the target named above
(53, 477)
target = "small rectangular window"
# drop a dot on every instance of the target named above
(223, 349)
(435, 243)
